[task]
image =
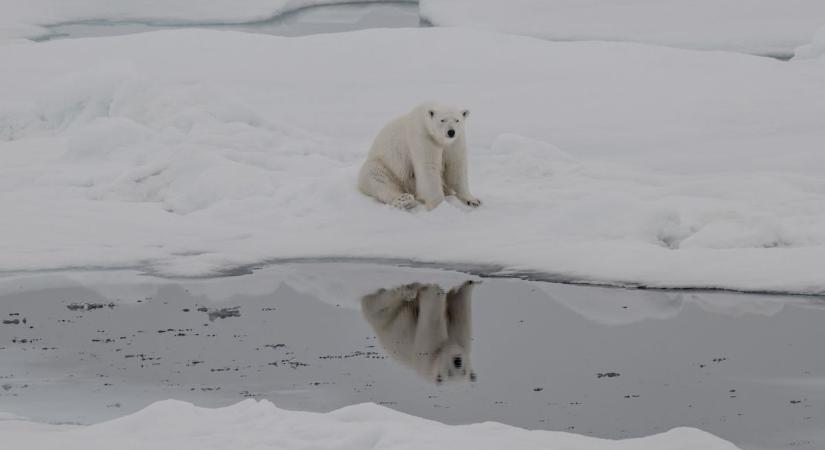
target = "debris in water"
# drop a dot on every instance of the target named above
(223, 313)
(88, 306)
(607, 375)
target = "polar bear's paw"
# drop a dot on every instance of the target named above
(471, 202)
(405, 201)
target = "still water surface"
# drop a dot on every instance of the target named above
(606, 362)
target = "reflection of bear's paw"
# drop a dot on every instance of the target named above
(408, 292)
(405, 201)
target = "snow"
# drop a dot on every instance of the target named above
(250, 424)
(29, 18)
(765, 27)
(813, 49)
(193, 152)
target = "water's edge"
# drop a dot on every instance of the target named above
(492, 271)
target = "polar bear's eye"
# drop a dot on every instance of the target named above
(443, 120)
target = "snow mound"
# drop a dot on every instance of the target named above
(185, 147)
(176, 425)
(765, 27)
(814, 49)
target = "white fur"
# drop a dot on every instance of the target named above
(425, 328)
(414, 161)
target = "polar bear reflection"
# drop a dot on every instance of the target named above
(425, 328)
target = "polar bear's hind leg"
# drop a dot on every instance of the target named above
(378, 182)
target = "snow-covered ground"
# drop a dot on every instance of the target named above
(765, 27)
(177, 425)
(191, 152)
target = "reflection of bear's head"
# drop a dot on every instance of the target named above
(445, 124)
(425, 328)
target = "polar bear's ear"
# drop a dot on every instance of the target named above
(465, 113)
(432, 113)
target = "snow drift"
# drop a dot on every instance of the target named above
(177, 425)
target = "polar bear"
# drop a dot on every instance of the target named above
(425, 328)
(418, 158)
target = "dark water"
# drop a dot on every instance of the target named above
(311, 20)
(597, 361)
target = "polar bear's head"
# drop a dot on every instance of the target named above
(445, 124)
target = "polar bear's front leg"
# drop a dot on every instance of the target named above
(429, 188)
(455, 178)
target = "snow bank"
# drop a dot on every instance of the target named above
(193, 152)
(27, 18)
(815, 48)
(765, 27)
(177, 425)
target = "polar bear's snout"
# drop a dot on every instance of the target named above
(450, 133)
(458, 362)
